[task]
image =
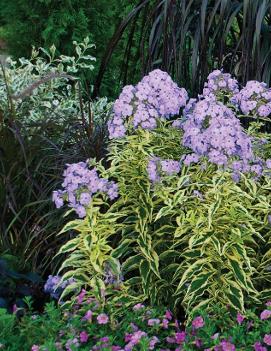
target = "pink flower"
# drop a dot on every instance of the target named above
(258, 347)
(198, 322)
(265, 314)
(168, 315)
(35, 348)
(154, 340)
(138, 306)
(180, 337)
(154, 321)
(227, 346)
(268, 303)
(102, 318)
(81, 296)
(165, 323)
(83, 336)
(198, 343)
(267, 339)
(215, 336)
(240, 318)
(14, 308)
(88, 316)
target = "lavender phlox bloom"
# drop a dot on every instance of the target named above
(55, 287)
(219, 82)
(255, 98)
(157, 167)
(156, 96)
(80, 184)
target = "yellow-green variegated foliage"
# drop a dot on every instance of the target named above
(194, 239)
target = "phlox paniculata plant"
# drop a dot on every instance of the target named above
(191, 223)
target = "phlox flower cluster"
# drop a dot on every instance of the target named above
(80, 184)
(155, 96)
(255, 98)
(213, 130)
(54, 287)
(157, 167)
(219, 82)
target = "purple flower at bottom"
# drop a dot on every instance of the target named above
(35, 348)
(227, 346)
(258, 347)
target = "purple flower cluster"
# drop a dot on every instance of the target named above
(214, 131)
(255, 98)
(155, 96)
(219, 82)
(157, 167)
(144, 327)
(80, 184)
(54, 287)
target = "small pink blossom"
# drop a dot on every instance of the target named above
(227, 346)
(81, 296)
(138, 306)
(168, 315)
(267, 339)
(258, 347)
(14, 308)
(84, 336)
(165, 323)
(35, 348)
(88, 316)
(265, 314)
(102, 318)
(240, 318)
(198, 322)
(198, 343)
(180, 337)
(268, 303)
(154, 321)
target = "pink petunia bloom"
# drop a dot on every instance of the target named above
(102, 318)
(35, 348)
(198, 343)
(154, 321)
(138, 306)
(267, 339)
(14, 308)
(180, 337)
(258, 347)
(168, 315)
(84, 336)
(88, 316)
(265, 314)
(227, 346)
(81, 296)
(240, 318)
(165, 323)
(198, 322)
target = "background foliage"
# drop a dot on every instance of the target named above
(45, 123)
